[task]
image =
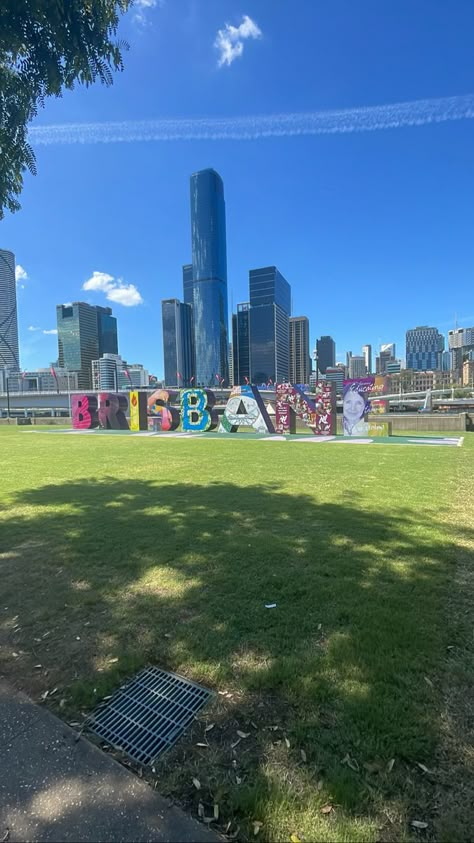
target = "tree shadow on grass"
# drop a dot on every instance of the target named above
(109, 576)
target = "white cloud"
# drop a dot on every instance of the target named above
(50, 331)
(230, 40)
(141, 8)
(20, 274)
(99, 281)
(126, 294)
(33, 328)
(114, 288)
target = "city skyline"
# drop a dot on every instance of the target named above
(424, 345)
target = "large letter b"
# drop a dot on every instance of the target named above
(196, 410)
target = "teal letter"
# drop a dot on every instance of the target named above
(196, 410)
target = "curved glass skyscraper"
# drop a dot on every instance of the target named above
(209, 256)
(9, 354)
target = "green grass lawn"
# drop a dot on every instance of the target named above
(355, 692)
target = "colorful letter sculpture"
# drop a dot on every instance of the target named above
(159, 408)
(84, 411)
(112, 409)
(318, 415)
(377, 428)
(380, 388)
(245, 408)
(355, 406)
(197, 414)
(138, 410)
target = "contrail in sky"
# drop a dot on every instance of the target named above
(337, 122)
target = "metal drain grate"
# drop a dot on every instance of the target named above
(148, 714)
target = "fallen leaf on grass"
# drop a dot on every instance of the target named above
(257, 825)
(197, 784)
(208, 728)
(205, 745)
(294, 838)
(326, 809)
(38, 666)
(303, 755)
(422, 767)
(390, 765)
(243, 734)
(429, 682)
(287, 743)
(418, 824)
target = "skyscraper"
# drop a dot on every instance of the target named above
(177, 342)
(270, 308)
(209, 266)
(367, 355)
(241, 344)
(9, 351)
(423, 348)
(357, 366)
(107, 331)
(385, 358)
(85, 332)
(188, 283)
(325, 353)
(300, 361)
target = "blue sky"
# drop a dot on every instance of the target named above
(372, 229)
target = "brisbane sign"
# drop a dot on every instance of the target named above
(193, 410)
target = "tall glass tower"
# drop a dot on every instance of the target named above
(85, 333)
(270, 308)
(9, 353)
(209, 262)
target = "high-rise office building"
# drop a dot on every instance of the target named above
(112, 373)
(325, 353)
(270, 308)
(357, 367)
(337, 375)
(209, 267)
(423, 348)
(367, 355)
(9, 350)
(178, 346)
(460, 337)
(460, 343)
(241, 344)
(384, 358)
(107, 331)
(300, 361)
(188, 283)
(84, 332)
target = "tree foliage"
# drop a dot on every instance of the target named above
(47, 46)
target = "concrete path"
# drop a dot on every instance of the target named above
(54, 788)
